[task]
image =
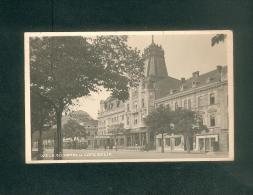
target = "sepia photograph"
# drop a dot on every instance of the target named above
(130, 96)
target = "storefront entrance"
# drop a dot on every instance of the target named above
(208, 143)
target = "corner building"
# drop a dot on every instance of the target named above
(121, 124)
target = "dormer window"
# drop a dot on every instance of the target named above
(193, 83)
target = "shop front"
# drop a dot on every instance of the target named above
(171, 142)
(207, 143)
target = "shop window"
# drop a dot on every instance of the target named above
(189, 104)
(176, 105)
(177, 141)
(167, 141)
(122, 141)
(185, 104)
(212, 99)
(159, 142)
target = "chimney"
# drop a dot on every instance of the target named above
(195, 74)
(219, 68)
(182, 80)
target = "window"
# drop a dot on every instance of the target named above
(135, 119)
(118, 103)
(135, 106)
(212, 99)
(128, 107)
(128, 120)
(212, 120)
(177, 141)
(189, 104)
(142, 116)
(142, 103)
(200, 101)
(176, 105)
(122, 117)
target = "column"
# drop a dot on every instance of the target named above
(164, 141)
(125, 140)
(140, 140)
(157, 142)
(147, 138)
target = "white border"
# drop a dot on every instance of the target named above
(229, 42)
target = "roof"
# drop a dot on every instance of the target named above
(164, 86)
(203, 79)
(170, 83)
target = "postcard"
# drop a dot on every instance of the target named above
(129, 96)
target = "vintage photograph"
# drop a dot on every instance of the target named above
(132, 96)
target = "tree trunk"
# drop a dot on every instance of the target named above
(188, 144)
(58, 143)
(162, 144)
(115, 141)
(55, 146)
(40, 145)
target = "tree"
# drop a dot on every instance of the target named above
(160, 120)
(73, 129)
(217, 39)
(188, 122)
(65, 68)
(41, 119)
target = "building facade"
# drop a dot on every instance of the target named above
(121, 124)
(206, 94)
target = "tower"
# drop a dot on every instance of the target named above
(155, 66)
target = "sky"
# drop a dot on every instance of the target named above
(184, 54)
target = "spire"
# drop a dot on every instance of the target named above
(155, 62)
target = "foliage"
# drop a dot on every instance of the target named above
(217, 39)
(65, 68)
(42, 113)
(73, 129)
(160, 120)
(187, 121)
